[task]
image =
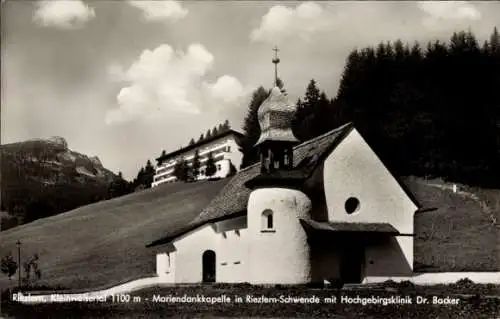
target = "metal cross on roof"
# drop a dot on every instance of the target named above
(276, 60)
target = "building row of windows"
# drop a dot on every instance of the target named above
(171, 174)
(218, 155)
(171, 170)
(203, 155)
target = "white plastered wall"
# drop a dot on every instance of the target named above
(186, 262)
(354, 170)
(232, 264)
(189, 254)
(165, 266)
(280, 255)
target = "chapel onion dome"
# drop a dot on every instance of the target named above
(275, 117)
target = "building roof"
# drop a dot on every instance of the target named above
(275, 118)
(342, 227)
(232, 200)
(199, 143)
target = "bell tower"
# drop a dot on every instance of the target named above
(275, 117)
(278, 247)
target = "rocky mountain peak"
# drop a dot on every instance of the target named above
(60, 141)
(95, 160)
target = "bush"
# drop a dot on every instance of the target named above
(464, 282)
(406, 284)
(8, 266)
(390, 284)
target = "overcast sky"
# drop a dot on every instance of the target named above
(124, 80)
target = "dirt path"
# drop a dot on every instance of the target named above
(482, 204)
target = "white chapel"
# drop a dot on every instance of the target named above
(322, 210)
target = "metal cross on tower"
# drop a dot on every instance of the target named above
(276, 60)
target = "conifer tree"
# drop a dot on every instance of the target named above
(312, 95)
(181, 170)
(118, 187)
(139, 180)
(195, 167)
(210, 168)
(313, 116)
(399, 50)
(149, 173)
(494, 43)
(251, 128)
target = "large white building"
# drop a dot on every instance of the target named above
(224, 149)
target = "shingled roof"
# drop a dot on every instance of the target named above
(275, 118)
(232, 199)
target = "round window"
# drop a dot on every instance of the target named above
(351, 205)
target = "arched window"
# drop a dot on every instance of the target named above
(267, 219)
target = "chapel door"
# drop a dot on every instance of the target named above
(208, 265)
(351, 265)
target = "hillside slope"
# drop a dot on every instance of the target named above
(104, 243)
(462, 234)
(43, 177)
